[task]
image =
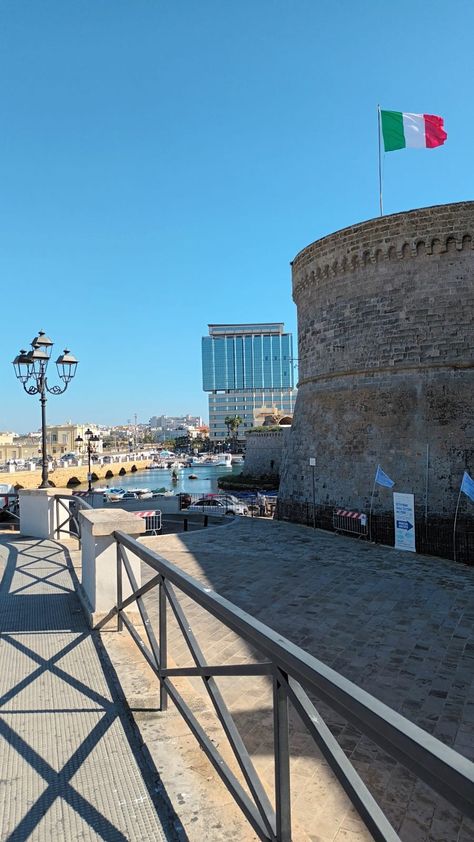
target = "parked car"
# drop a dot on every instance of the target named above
(131, 495)
(209, 505)
(229, 498)
(67, 457)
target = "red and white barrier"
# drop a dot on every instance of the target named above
(347, 520)
(152, 520)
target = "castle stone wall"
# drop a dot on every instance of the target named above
(263, 451)
(386, 360)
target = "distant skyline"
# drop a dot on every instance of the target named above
(162, 163)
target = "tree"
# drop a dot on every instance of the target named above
(234, 425)
(228, 421)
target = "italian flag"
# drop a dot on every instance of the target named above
(421, 131)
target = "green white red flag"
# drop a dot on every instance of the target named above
(419, 131)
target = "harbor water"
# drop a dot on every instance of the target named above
(161, 478)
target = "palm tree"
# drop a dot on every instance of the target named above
(228, 421)
(235, 424)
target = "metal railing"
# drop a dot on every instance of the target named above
(11, 510)
(71, 524)
(292, 672)
(255, 503)
(434, 535)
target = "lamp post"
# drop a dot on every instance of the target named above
(90, 449)
(31, 368)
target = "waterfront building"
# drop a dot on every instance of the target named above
(61, 438)
(13, 447)
(174, 422)
(246, 367)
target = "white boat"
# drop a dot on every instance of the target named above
(113, 495)
(225, 459)
(211, 461)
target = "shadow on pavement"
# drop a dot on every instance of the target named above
(47, 657)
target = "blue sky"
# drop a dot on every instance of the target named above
(162, 162)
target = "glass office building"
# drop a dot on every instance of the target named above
(246, 367)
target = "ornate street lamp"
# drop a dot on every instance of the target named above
(90, 449)
(30, 368)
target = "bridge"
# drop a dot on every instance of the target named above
(61, 477)
(347, 668)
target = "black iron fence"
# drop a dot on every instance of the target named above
(9, 511)
(292, 673)
(68, 508)
(261, 504)
(434, 536)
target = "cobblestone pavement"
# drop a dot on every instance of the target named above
(398, 624)
(70, 762)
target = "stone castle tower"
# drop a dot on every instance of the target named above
(386, 360)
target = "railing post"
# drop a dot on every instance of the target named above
(163, 642)
(119, 589)
(98, 591)
(282, 760)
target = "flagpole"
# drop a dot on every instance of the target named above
(455, 521)
(371, 503)
(380, 163)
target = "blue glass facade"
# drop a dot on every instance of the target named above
(246, 367)
(254, 361)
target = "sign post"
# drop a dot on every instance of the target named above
(312, 464)
(404, 517)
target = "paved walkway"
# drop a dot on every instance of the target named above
(70, 761)
(399, 625)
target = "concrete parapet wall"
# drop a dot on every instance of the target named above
(61, 476)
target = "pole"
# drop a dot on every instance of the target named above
(44, 460)
(370, 511)
(89, 467)
(314, 500)
(380, 162)
(426, 486)
(454, 528)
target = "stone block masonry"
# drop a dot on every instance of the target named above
(263, 451)
(386, 362)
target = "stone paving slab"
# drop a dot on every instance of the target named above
(399, 625)
(70, 762)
